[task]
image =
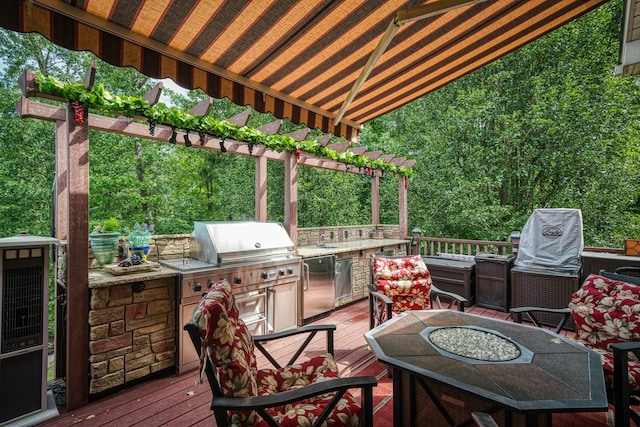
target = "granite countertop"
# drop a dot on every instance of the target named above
(350, 246)
(101, 278)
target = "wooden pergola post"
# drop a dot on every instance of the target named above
(291, 196)
(261, 189)
(403, 185)
(77, 370)
(375, 200)
(60, 216)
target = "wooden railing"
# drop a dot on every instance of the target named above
(433, 246)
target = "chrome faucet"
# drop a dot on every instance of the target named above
(322, 242)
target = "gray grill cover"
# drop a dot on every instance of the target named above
(235, 242)
(552, 239)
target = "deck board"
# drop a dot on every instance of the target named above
(174, 400)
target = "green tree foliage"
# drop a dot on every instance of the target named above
(27, 149)
(546, 126)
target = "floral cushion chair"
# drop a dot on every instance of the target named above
(607, 312)
(401, 283)
(227, 356)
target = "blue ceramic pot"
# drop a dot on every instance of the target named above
(142, 250)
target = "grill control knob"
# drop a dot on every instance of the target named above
(290, 270)
(281, 272)
(237, 280)
(197, 287)
(210, 284)
(264, 275)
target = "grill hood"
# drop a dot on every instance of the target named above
(224, 243)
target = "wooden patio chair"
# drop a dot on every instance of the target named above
(606, 310)
(401, 283)
(307, 393)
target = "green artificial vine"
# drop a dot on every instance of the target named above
(132, 106)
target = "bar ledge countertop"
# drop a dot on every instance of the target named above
(349, 246)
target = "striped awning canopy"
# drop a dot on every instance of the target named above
(329, 64)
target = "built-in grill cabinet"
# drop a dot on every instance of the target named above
(257, 259)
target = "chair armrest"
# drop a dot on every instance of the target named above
(628, 269)
(376, 314)
(453, 298)
(517, 312)
(290, 332)
(381, 296)
(624, 274)
(621, 401)
(337, 385)
(295, 395)
(482, 419)
(311, 330)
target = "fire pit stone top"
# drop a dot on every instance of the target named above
(475, 345)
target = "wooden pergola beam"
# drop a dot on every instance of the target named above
(135, 128)
(271, 128)
(359, 150)
(324, 140)
(373, 154)
(90, 76)
(339, 146)
(153, 96)
(299, 135)
(239, 119)
(124, 126)
(202, 109)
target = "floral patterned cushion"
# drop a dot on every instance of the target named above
(229, 345)
(270, 381)
(227, 342)
(607, 311)
(406, 281)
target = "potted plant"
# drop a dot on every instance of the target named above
(138, 239)
(104, 241)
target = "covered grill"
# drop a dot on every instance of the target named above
(552, 239)
(257, 258)
(547, 268)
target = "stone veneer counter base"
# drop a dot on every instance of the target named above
(132, 327)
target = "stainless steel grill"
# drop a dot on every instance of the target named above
(257, 258)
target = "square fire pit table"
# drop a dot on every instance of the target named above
(447, 364)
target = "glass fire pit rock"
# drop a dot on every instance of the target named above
(475, 345)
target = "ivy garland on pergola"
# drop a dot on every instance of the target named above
(131, 106)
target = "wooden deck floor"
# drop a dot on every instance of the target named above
(182, 401)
